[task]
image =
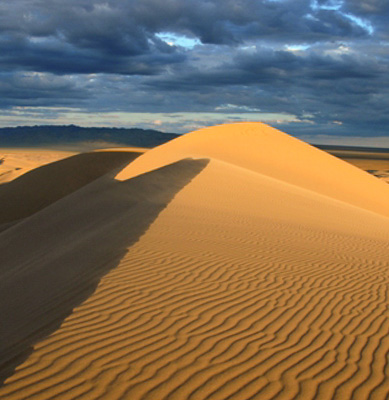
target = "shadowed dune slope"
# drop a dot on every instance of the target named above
(266, 150)
(53, 260)
(42, 186)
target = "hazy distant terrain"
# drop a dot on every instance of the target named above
(55, 135)
(373, 160)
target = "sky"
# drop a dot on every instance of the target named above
(317, 69)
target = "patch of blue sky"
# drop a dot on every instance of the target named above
(297, 47)
(174, 39)
(334, 5)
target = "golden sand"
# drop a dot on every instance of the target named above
(222, 278)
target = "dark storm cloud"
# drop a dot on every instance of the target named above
(231, 21)
(119, 36)
(368, 7)
(52, 55)
(373, 12)
(77, 37)
(319, 60)
(34, 89)
(278, 68)
(327, 83)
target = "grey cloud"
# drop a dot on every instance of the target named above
(373, 12)
(76, 37)
(368, 7)
(322, 82)
(52, 55)
(125, 30)
(231, 22)
(25, 89)
(343, 75)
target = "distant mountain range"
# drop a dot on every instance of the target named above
(330, 147)
(73, 135)
(31, 136)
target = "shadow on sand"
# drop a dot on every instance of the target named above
(42, 186)
(53, 261)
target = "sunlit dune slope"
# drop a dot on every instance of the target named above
(42, 186)
(266, 150)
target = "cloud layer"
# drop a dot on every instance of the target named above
(322, 66)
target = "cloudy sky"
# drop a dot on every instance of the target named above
(314, 68)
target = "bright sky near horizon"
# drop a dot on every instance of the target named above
(317, 69)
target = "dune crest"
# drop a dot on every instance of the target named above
(266, 150)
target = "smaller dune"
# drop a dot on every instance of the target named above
(43, 186)
(16, 162)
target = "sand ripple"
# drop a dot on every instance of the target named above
(251, 290)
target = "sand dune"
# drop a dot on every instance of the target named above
(42, 186)
(266, 150)
(213, 280)
(68, 246)
(16, 162)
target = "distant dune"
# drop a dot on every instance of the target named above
(43, 186)
(235, 262)
(17, 161)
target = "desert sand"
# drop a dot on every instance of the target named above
(235, 262)
(17, 161)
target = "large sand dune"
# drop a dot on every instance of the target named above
(266, 150)
(218, 279)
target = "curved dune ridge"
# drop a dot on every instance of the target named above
(15, 162)
(40, 187)
(245, 286)
(266, 150)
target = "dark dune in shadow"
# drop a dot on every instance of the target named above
(53, 261)
(43, 186)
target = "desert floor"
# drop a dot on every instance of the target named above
(375, 163)
(235, 262)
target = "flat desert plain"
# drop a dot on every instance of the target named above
(376, 163)
(235, 262)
